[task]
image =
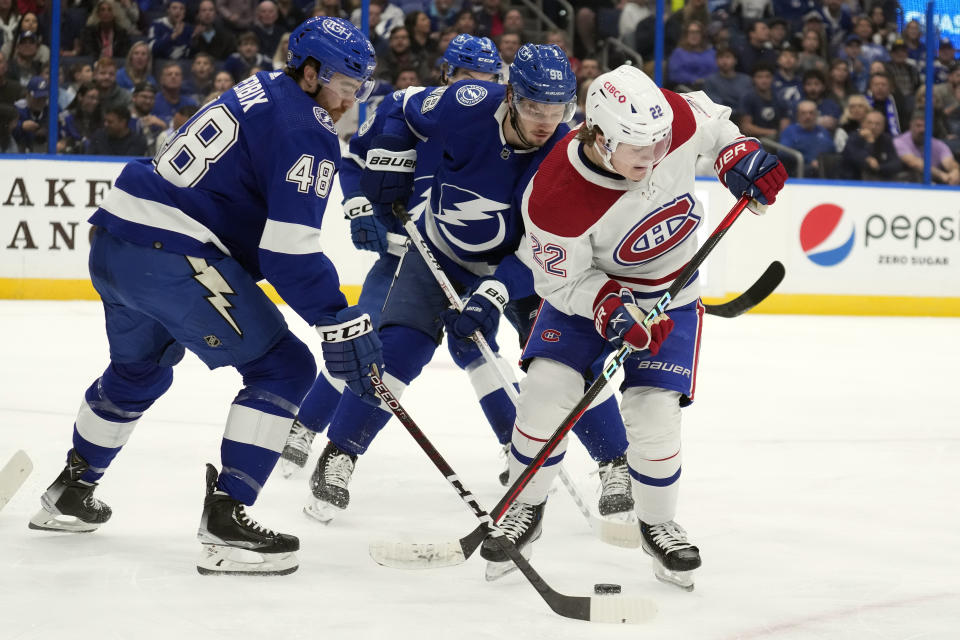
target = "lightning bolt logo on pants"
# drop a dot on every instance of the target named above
(215, 283)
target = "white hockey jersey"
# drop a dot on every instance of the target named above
(585, 226)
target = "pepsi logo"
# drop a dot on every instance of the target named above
(616, 93)
(659, 232)
(550, 335)
(827, 235)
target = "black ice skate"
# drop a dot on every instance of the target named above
(674, 559)
(296, 450)
(329, 484)
(616, 496)
(68, 503)
(522, 524)
(235, 544)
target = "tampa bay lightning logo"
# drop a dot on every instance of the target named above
(471, 94)
(324, 118)
(469, 221)
(659, 232)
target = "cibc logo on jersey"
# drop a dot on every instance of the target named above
(659, 232)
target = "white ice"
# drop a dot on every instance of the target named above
(820, 481)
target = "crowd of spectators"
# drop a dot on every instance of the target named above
(834, 80)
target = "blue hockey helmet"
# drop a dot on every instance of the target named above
(477, 54)
(542, 73)
(338, 47)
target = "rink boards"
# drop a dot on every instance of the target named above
(849, 248)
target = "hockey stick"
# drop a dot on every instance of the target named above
(614, 530)
(452, 553)
(757, 293)
(13, 475)
(617, 609)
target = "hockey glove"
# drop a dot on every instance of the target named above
(480, 313)
(350, 348)
(366, 231)
(388, 174)
(618, 319)
(746, 169)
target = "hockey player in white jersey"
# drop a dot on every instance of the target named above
(179, 244)
(611, 219)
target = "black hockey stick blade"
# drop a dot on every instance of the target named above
(757, 293)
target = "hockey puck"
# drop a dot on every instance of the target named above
(605, 588)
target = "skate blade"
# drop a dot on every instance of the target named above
(681, 579)
(43, 520)
(416, 555)
(618, 529)
(496, 570)
(216, 559)
(321, 511)
(289, 467)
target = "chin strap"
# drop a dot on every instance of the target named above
(605, 153)
(516, 127)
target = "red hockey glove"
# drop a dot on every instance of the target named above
(618, 319)
(746, 169)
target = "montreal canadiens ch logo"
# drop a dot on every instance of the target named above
(826, 235)
(550, 335)
(471, 94)
(659, 232)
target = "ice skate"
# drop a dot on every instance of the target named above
(68, 504)
(296, 450)
(329, 484)
(522, 524)
(616, 496)
(674, 559)
(235, 544)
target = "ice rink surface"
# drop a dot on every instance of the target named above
(821, 475)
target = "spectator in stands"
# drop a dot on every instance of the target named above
(852, 119)
(870, 50)
(513, 22)
(25, 64)
(584, 31)
(10, 89)
(815, 89)
(82, 117)
(880, 97)
(727, 86)
(105, 78)
(399, 56)
(116, 138)
(839, 84)
(141, 110)
(290, 15)
(794, 11)
(852, 52)
(248, 55)
(779, 35)
(200, 81)
(558, 37)
(107, 33)
(333, 9)
(78, 74)
(884, 31)
(465, 22)
(588, 70)
(31, 130)
(9, 21)
(807, 137)
(442, 14)
(28, 22)
(171, 96)
(946, 58)
(869, 153)
(138, 68)
(406, 78)
(489, 17)
(753, 9)
(280, 55)
(940, 128)
(916, 50)
(693, 59)
(418, 27)
(948, 92)
(8, 123)
(208, 36)
(170, 36)
(812, 51)
(237, 14)
(180, 118)
(508, 45)
(756, 49)
(837, 20)
(761, 114)
(222, 82)
(266, 27)
(910, 148)
(786, 80)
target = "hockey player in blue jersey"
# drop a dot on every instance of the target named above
(488, 135)
(177, 249)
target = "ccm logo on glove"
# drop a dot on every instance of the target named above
(347, 330)
(357, 207)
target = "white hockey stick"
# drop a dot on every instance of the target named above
(13, 475)
(616, 533)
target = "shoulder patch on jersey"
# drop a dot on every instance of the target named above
(471, 94)
(397, 94)
(684, 122)
(431, 100)
(562, 201)
(324, 118)
(366, 125)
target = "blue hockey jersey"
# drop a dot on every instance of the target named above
(470, 219)
(247, 176)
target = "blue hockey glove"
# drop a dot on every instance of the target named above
(350, 348)
(746, 169)
(618, 319)
(366, 231)
(481, 312)
(388, 174)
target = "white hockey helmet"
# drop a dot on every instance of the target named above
(629, 108)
